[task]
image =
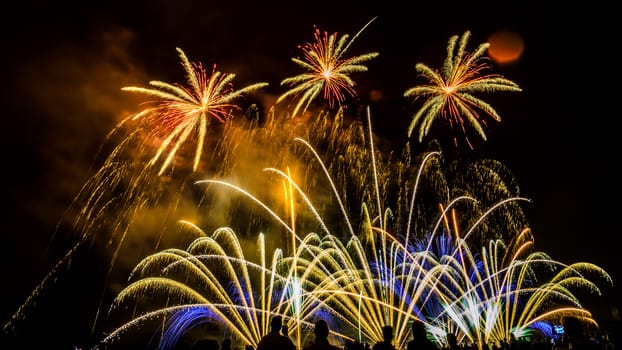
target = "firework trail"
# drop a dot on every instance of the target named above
(503, 291)
(215, 279)
(309, 267)
(373, 279)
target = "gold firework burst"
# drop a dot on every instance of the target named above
(183, 111)
(326, 71)
(449, 93)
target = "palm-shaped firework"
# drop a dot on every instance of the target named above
(327, 71)
(184, 110)
(449, 93)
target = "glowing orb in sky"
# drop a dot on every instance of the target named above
(506, 46)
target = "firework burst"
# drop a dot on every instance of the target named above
(383, 267)
(327, 71)
(449, 93)
(183, 111)
(493, 295)
(375, 278)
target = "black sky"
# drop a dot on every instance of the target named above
(64, 64)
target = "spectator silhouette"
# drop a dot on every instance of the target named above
(285, 330)
(452, 342)
(274, 339)
(226, 344)
(575, 337)
(387, 339)
(321, 338)
(420, 339)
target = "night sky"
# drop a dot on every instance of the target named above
(64, 65)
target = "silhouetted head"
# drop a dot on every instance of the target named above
(321, 329)
(276, 323)
(387, 333)
(452, 340)
(418, 330)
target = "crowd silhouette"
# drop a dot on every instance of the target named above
(420, 339)
(274, 339)
(321, 342)
(575, 337)
(387, 339)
